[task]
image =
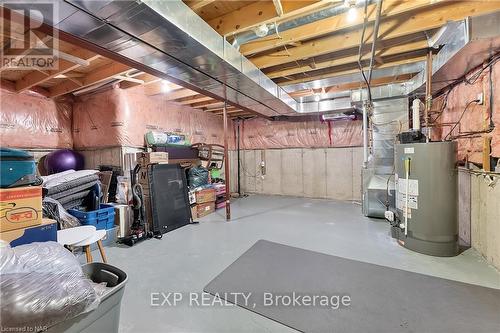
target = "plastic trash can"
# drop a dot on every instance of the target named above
(106, 318)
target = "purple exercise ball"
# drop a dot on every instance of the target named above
(62, 160)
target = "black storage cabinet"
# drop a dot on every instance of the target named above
(169, 197)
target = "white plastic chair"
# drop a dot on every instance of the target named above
(84, 236)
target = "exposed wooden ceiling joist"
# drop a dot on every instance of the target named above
(333, 24)
(354, 85)
(167, 88)
(405, 24)
(196, 5)
(193, 99)
(348, 59)
(220, 110)
(36, 77)
(96, 76)
(261, 12)
(336, 71)
(207, 104)
(146, 78)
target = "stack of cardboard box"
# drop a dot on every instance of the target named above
(205, 203)
(21, 217)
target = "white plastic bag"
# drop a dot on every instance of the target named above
(42, 284)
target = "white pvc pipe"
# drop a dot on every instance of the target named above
(406, 199)
(416, 114)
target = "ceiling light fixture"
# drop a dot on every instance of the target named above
(261, 30)
(352, 14)
(165, 86)
(316, 98)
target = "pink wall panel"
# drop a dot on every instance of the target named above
(476, 119)
(30, 121)
(122, 117)
(263, 134)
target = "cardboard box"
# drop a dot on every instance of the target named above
(205, 208)
(45, 232)
(149, 212)
(206, 195)
(194, 212)
(143, 179)
(20, 207)
(151, 158)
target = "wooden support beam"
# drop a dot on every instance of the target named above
(348, 59)
(241, 114)
(355, 85)
(173, 91)
(333, 24)
(35, 78)
(401, 25)
(230, 110)
(209, 104)
(99, 75)
(261, 12)
(215, 110)
(197, 5)
(193, 99)
(146, 78)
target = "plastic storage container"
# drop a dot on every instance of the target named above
(17, 168)
(106, 318)
(102, 219)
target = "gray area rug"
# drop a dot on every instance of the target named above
(315, 292)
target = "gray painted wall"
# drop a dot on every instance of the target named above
(329, 173)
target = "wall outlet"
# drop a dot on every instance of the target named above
(480, 98)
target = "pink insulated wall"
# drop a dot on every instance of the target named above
(118, 117)
(31, 121)
(475, 122)
(313, 133)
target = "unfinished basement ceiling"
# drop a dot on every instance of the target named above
(314, 58)
(82, 71)
(306, 54)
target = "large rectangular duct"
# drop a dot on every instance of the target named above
(466, 45)
(389, 117)
(168, 38)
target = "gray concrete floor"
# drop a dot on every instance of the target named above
(186, 259)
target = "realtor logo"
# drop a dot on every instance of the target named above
(30, 43)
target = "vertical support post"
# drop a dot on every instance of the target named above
(238, 157)
(226, 164)
(486, 153)
(428, 93)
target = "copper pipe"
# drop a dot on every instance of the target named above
(428, 92)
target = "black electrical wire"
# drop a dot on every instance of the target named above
(476, 75)
(460, 119)
(443, 107)
(361, 44)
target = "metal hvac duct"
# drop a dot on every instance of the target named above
(389, 117)
(356, 77)
(248, 36)
(171, 40)
(466, 44)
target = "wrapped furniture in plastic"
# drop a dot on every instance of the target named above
(197, 176)
(42, 284)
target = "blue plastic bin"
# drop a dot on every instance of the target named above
(102, 219)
